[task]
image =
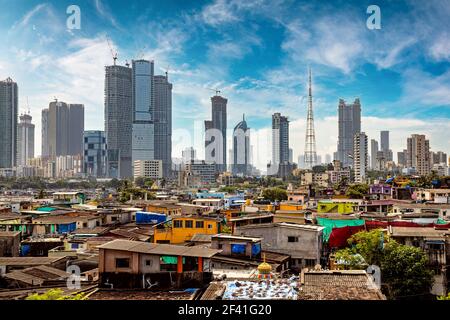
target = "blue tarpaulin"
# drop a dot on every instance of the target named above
(24, 250)
(66, 228)
(238, 248)
(256, 249)
(149, 217)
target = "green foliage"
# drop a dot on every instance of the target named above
(404, 269)
(447, 297)
(350, 260)
(226, 229)
(137, 193)
(369, 245)
(357, 191)
(55, 294)
(228, 189)
(275, 194)
(319, 168)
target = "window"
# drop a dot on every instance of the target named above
(163, 241)
(210, 226)
(199, 224)
(177, 224)
(292, 239)
(148, 262)
(188, 224)
(113, 218)
(122, 262)
(310, 262)
(220, 246)
(90, 146)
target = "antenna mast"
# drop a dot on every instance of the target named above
(310, 141)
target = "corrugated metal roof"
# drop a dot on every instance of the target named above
(23, 261)
(159, 249)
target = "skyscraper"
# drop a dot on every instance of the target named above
(216, 134)
(280, 140)
(162, 119)
(8, 123)
(310, 139)
(94, 159)
(76, 129)
(360, 157)
(188, 154)
(401, 158)
(418, 154)
(62, 129)
(384, 140)
(118, 120)
(45, 152)
(142, 105)
(25, 140)
(373, 153)
(349, 125)
(241, 149)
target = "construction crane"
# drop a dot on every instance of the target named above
(113, 53)
(217, 91)
(141, 53)
(167, 71)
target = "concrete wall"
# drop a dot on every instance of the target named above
(9, 246)
(154, 263)
(275, 238)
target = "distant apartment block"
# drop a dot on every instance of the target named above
(360, 157)
(94, 160)
(349, 125)
(25, 140)
(148, 169)
(8, 123)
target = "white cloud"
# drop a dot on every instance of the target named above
(218, 13)
(440, 50)
(422, 88)
(105, 12)
(30, 14)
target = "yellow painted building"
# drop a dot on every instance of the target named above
(167, 209)
(335, 207)
(183, 228)
(287, 206)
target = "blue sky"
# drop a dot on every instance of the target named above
(256, 52)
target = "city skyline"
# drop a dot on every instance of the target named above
(262, 88)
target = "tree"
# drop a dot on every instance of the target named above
(228, 189)
(275, 194)
(41, 194)
(319, 169)
(369, 245)
(149, 182)
(55, 294)
(139, 182)
(405, 271)
(350, 260)
(357, 191)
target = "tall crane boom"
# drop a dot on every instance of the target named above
(113, 53)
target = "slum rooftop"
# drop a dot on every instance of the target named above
(159, 249)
